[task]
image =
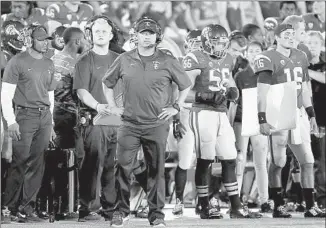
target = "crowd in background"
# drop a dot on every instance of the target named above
(253, 20)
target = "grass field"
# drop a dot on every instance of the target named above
(191, 220)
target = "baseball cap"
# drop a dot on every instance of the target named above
(281, 28)
(41, 34)
(147, 25)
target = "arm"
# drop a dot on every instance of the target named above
(232, 111)
(87, 98)
(109, 94)
(318, 76)
(7, 95)
(191, 97)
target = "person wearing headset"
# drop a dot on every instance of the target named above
(95, 144)
(147, 73)
(27, 80)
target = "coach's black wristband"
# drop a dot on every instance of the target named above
(311, 112)
(262, 117)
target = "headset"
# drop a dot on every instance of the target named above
(28, 34)
(90, 23)
(158, 27)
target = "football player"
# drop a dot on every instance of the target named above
(286, 64)
(213, 85)
(244, 80)
(25, 12)
(185, 144)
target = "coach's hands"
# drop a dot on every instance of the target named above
(266, 129)
(103, 109)
(13, 131)
(167, 113)
(116, 111)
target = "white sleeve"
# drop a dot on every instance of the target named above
(7, 95)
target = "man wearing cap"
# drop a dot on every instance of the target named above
(147, 74)
(28, 78)
(275, 67)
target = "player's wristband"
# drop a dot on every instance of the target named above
(262, 117)
(311, 112)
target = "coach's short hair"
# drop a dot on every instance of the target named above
(288, 2)
(249, 29)
(293, 20)
(70, 33)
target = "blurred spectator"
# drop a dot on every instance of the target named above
(270, 8)
(251, 13)
(253, 33)
(316, 20)
(69, 14)
(205, 13)
(159, 11)
(25, 12)
(287, 8)
(317, 63)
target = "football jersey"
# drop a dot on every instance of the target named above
(214, 73)
(60, 13)
(65, 65)
(284, 69)
(37, 16)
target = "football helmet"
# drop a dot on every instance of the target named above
(215, 40)
(270, 24)
(12, 34)
(193, 41)
(133, 41)
(57, 42)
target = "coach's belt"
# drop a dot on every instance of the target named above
(39, 108)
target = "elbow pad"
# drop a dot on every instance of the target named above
(232, 94)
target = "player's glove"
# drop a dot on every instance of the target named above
(178, 128)
(213, 98)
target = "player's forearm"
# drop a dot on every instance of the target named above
(7, 95)
(318, 76)
(232, 111)
(109, 95)
(306, 96)
(87, 98)
(262, 91)
(191, 97)
(182, 96)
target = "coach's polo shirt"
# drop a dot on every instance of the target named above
(34, 79)
(147, 85)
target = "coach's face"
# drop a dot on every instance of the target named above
(146, 38)
(102, 32)
(41, 46)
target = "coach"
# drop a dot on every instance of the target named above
(147, 74)
(27, 79)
